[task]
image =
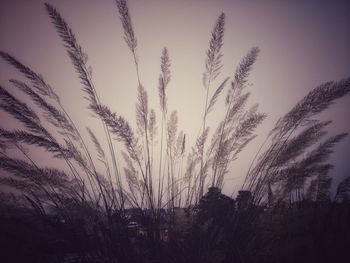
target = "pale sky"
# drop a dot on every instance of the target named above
(302, 43)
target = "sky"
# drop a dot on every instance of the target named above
(302, 43)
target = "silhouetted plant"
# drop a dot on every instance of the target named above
(289, 163)
(88, 206)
